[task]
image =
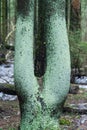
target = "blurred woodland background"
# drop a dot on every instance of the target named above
(76, 21)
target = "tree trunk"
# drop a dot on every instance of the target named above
(68, 13)
(41, 105)
(3, 19)
(84, 20)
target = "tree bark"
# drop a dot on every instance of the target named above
(40, 106)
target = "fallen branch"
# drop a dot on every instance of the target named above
(7, 88)
(10, 88)
(10, 33)
(74, 110)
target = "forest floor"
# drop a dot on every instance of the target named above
(9, 115)
(69, 120)
(74, 116)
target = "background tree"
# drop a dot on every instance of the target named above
(68, 13)
(40, 106)
(84, 20)
(3, 19)
(77, 51)
(7, 28)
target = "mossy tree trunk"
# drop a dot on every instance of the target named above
(41, 105)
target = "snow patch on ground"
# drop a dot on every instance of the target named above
(7, 76)
(82, 80)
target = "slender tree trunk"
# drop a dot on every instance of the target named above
(68, 13)
(3, 19)
(41, 105)
(0, 21)
(84, 20)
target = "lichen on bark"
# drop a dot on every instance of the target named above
(40, 109)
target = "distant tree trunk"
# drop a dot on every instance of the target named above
(75, 31)
(41, 105)
(3, 19)
(0, 21)
(68, 13)
(75, 22)
(11, 20)
(84, 20)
